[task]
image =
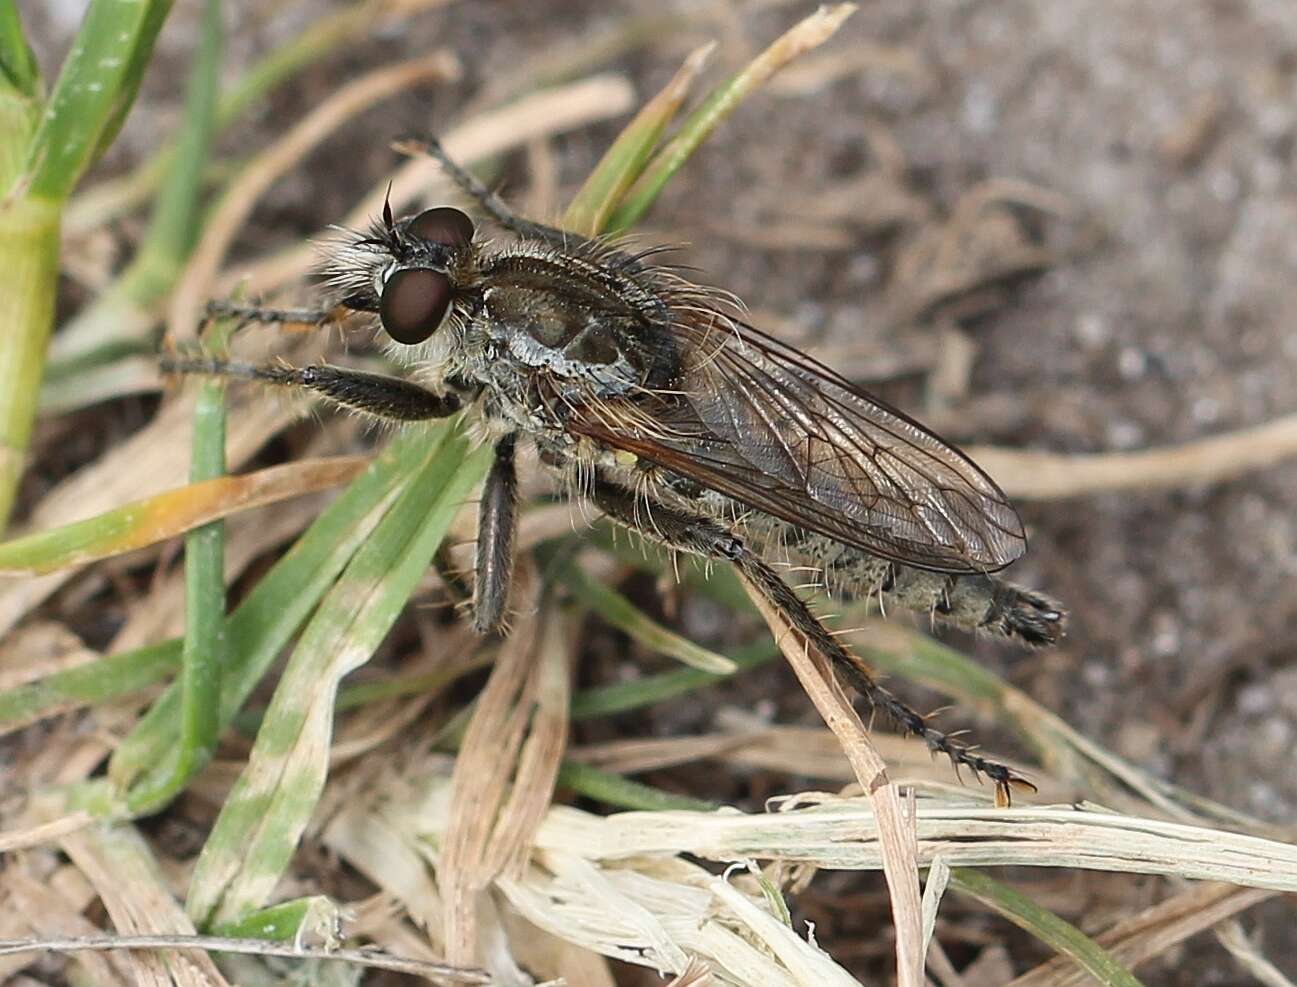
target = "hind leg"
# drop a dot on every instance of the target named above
(704, 537)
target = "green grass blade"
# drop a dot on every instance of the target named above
(20, 94)
(1061, 936)
(354, 696)
(19, 72)
(29, 257)
(86, 685)
(284, 921)
(93, 92)
(174, 227)
(613, 789)
(266, 813)
(113, 197)
(621, 697)
(625, 616)
(276, 607)
(624, 161)
(204, 653)
(724, 100)
(91, 97)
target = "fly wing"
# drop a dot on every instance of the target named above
(764, 424)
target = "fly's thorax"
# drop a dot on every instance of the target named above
(574, 319)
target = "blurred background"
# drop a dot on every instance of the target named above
(1057, 225)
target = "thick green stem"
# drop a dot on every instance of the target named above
(29, 258)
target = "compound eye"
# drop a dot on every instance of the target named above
(414, 303)
(444, 225)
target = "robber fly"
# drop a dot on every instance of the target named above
(654, 400)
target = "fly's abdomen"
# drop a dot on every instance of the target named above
(975, 601)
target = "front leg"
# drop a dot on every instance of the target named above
(497, 528)
(246, 314)
(490, 203)
(387, 398)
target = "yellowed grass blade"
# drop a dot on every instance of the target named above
(166, 515)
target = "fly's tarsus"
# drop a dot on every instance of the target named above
(795, 610)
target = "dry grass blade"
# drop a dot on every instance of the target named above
(896, 839)
(651, 910)
(809, 967)
(843, 833)
(195, 285)
(372, 958)
(1050, 476)
(128, 880)
(1248, 955)
(695, 974)
(39, 907)
(933, 890)
(505, 773)
(166, 515)
(44, 833)
(636, 755)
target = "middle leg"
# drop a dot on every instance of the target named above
(497, 528)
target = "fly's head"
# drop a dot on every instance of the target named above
(411, 271)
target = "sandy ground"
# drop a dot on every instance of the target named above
(1161, 140)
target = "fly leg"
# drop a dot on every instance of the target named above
(497, 528)
(491, 203)
(272, 316)
(704, 537)
(387, 398)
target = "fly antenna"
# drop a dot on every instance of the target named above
(387, 208)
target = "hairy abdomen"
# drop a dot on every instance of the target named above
(976, 602)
